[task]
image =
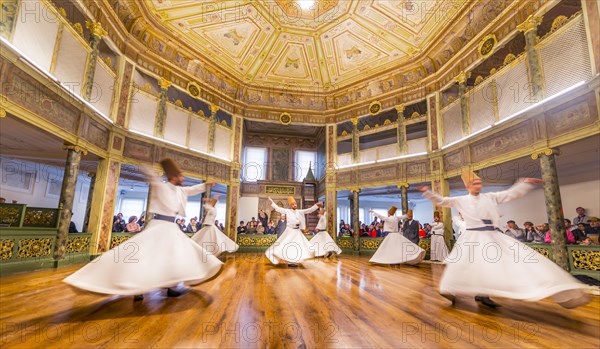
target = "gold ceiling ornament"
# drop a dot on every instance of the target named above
(558, 22)
(164, 83)
(179, 103)
(62, 12)
(530, 24)
(344, 133)
(2, 113)
(493, 71)
(415, 115)
(478, 80)
(147, 87)
(214, 108)
(193, 89)
(462, 77)
(354, 121)
(387, 122)
(487, 45)
(509, 58)
(75, 148)
(399, 108)
(285, 118)
(548, 151)
(78, 28)
(96, 28)
(375, 107)
(366, 128)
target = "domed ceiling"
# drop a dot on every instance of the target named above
(310, 44)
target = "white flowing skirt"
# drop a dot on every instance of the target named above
(292, 247)
(158, 257)
(494, 264)
(322, 243)
(439, 250)
(213, 241)
(396, 249)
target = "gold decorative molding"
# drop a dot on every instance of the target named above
(78, 28)
(2, 113)
(214, 108)
(462, 77)
(558, 22)
(164, 83)
(355, 190)
(354, 121)
(399, 108)
(531, 23)
(403, 185)
(285, 118)
(478, 80)
(96, 29)
(75, 148)
(547, 152)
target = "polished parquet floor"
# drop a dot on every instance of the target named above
(344, 303)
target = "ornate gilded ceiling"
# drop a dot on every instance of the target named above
(327, 46)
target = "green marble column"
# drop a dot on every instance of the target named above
(88, 206)
(534, 71)
(97, 33)
(161, 112)
(464, 102)
(67, 195)
(404, 196)
(355, 141)
(402, 147)
(355, 218)
(212, 127)
(553, 207)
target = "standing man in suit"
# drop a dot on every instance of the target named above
(410, 228)
(281, 224)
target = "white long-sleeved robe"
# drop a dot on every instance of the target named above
(488, 262)
(292, 246)
(322, 243)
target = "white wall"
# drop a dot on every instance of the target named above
(11, 170)
(247, 208)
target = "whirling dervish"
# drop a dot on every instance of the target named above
(395, 248)
(322, 244)
(211, 239)
(509, 269)
(292, 246)
(160, 256)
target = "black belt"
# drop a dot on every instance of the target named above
(295, 227)
(486, 228)
(161, 217)
(438, 234)
(320, 230)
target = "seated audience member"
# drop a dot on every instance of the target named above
(594, 229)
(263, 218)
(587, 241)
(427, 228)
(132, 226)
(270, 229)
(515, 232)
(118, 223)
(581, 217)
(342, 224)
(142, 220)
(182, 225)
(532, 234)
(260, 229)
(581, 232)
(422, 232)
(569, 237)
(251, 226)
(379, 229)
(193, 226)
(344, 231)
(242, 228)
(221, 227)
(568, 224)
(372, 231)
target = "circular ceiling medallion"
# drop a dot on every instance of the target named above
(487, 45)
(285, 118)
(375, 108)
(193, 89)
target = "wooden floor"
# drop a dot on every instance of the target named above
(345, 303)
